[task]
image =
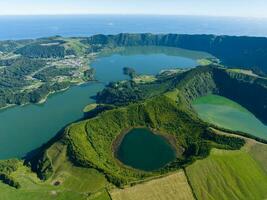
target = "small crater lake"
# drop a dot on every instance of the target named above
(140, 148)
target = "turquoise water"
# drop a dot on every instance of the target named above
(22, 129)
(142, 149)
(227, 114)
(25, 128)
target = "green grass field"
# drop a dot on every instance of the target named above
(228, 175)
(34, 189)
(90, 107)
(259, 153)
(204, 62)
(101, 195)
(74, 183)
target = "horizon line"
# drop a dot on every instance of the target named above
(130, 14)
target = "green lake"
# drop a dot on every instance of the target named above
(25, 128)
(228, 114)
(142, 149)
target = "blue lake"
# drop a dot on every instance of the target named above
(25, 128)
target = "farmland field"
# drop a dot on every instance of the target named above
(229, 175)
(259, 153)
(172, 187)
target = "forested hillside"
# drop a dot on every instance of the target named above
(233, 51)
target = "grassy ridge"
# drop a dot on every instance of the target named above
(91, 140)
(89, 143)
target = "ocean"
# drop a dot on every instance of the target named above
(25, 27)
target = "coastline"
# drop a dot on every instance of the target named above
(43, 100)
(8, 106)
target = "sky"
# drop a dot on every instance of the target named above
(240, 8)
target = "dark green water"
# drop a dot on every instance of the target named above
(142, 149)
(22, 129)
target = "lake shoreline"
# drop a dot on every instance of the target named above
(44, 99)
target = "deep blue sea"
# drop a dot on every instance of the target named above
(24, 27)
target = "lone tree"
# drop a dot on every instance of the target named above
(129, 72)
